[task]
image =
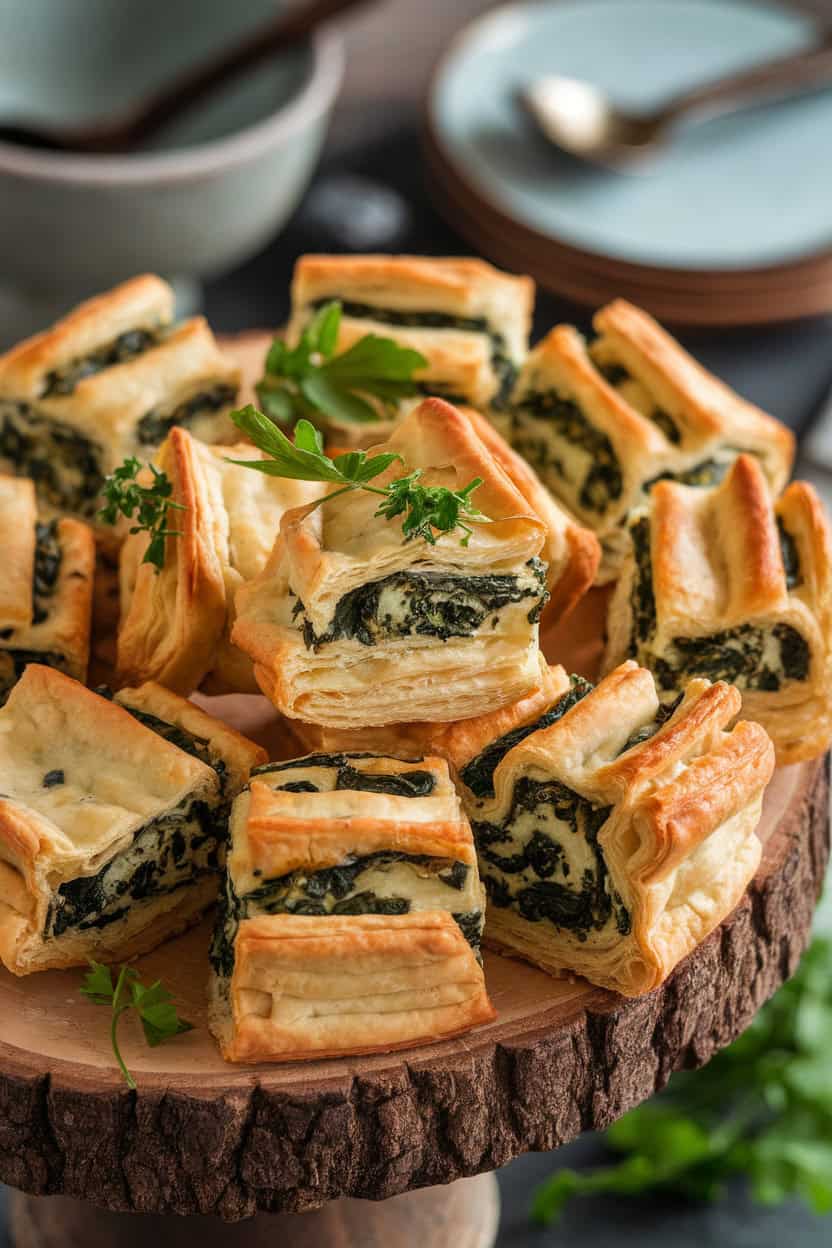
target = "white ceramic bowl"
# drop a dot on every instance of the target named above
(212, 190)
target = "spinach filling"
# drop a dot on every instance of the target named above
(126, 346)
(47, 569)
(704, 474)
(478, 774)
(154, 427)
(505, 369)
(602, 481)
(168, 853)
(338, 890)
(748, 656)
(752, 658)
(65, 465)
(431, 604)
(665, 712)
(616, 375)
(550, 831)
(791, 558)
(402, 784)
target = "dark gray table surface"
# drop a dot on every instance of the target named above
(786, 370)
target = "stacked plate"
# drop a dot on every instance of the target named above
(729, 224)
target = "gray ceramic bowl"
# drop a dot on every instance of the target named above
(212, 189)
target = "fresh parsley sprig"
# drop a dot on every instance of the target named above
(310, 380)
(426, 510)
(148, 503)
(154, 1006)
(762, 1108)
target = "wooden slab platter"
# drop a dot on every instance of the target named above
(202, 1137)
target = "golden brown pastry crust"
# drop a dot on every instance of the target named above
(334, 986)
(238, 753)
(324, 554)
(571, 552)
(64, 632)
(716, 566)
(175, 623)
(706, 408)
(678, 843)
(81, 776)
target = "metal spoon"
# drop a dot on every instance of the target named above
(125, 131)
(579, 118)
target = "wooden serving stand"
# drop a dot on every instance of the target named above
(418, 1132)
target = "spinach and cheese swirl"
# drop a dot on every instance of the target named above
(728, 585)
(108, 381)
(469, 320)
(601, 424)
(46, 588)
(352, 911)
(349, 625)
(612, 833)
(113, 818)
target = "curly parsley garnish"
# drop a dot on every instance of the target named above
(762, 1109)
(148, 503)
(154, 1006)
(310, 380)
(426, 510)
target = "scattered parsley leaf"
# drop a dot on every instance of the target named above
(427, 510)
(153, 1005)
(311, 381)
(761, 1108)
(148, 503)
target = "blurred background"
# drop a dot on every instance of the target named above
(396, 127)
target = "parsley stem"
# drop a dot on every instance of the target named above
(118, 1010)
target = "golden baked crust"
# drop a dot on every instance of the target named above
(333, 986)
(613, 839)
(175, 623)
(223, 744)
(285, 615)
(601, 424)
(106, 383)
(711, 562)
(341, 845)
(46, 596)
(571, 552)
(469, 320)
(91, 861)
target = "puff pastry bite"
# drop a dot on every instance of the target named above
(349, 626)
(352, 913)
(613, 833)
(469, 320)
(106, 382)
(726, 584)
(601, 424)
(175, 623)
(46, 588)
(112, 821)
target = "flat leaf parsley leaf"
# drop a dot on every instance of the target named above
(149, 505)
(426, 510)
(153, 1005)
(310, 380)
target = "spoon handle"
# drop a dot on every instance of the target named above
(794, 74)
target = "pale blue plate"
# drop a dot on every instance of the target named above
(745, 191)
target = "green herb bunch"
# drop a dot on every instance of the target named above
(311, 381)
(148, 503)
(762, 1109)
(154, 1006)
(425, 510)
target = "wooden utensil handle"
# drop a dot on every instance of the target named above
(794, 74)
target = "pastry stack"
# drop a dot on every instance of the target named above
(442, 784)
